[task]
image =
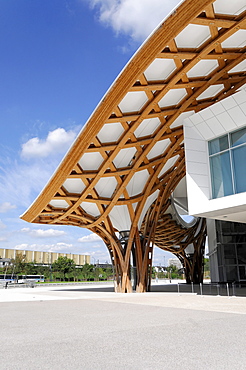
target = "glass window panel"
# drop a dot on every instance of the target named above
(218, 145)
(226, 227)
(230, 254)
(221, 177)
(220, 254)
(228, 239)
(231, 273)
(221, 274)
(239, 238)
(239, 159)
(238, 137)
(240, 228)
(241, 253)
(242, 272)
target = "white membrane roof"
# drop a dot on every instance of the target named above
(132, 145)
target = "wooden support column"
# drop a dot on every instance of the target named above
(193, 262)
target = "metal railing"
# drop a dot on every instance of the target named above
(212, 289)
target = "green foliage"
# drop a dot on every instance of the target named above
(206, 268)
(87, 272)
(63, 265)
(63, 269)
(172, 269)
(19, 264)
(31, 269)
(206, 264)
(174, 272)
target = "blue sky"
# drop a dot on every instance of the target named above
(58, 58)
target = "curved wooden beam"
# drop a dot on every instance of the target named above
(108, 190)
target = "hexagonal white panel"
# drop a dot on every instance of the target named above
(148, 203)
(241, 67)
(160, 69)
(106, 186)
(59, 203)
(234, 7)
(120, 218)
(147, 127)
(74, 186)
(91, 161)
(90, 208)
(237, 40)
(158, 148)
(124, 157)
(211, 91)
(137, 183)
(203, 68)
(110, 132)
(192, 36)
(172, 97)
(170, 162)
(133, 101)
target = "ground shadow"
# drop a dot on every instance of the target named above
(87, 289)
(181, 288)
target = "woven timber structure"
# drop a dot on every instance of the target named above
(118, 178)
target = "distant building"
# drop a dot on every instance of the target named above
(43, 258)
(104, 265)
(174, 262)
(4, 262)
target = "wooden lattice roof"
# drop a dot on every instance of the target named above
(132, 145)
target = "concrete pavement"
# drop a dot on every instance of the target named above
(91, 327)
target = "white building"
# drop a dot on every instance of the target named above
(174, 262)
(215, 151)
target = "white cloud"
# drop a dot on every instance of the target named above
(2, 225)
(6, 206)
(25, 180)
(136, 18)
(40, 233)
(160, 257)
(99, 256)
(21, 246)
(89, 238)
(57, 141)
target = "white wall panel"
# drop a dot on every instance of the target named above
(226, 121)
(238, 116)
(226, 118)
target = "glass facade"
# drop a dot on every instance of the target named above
(227, 156)
(231, 251)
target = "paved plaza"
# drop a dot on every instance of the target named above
(91, 327)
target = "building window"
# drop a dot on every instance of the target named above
(231, 251)
(227, 156)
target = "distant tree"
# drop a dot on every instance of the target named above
(206, 268)
(31, 268)
(63, 265)
(108, 273)
(172, 268)
(19, 263)
(173, 271)
(76, 274)
(87, 271)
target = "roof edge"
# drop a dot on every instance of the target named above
(168, 29)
